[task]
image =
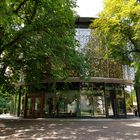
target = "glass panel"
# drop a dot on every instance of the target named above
(29, 107)
(37, 104)
(99, 103)
(92, 101)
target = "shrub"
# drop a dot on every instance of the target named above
(5, 110)
(1, 110)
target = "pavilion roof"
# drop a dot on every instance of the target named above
(96, 80)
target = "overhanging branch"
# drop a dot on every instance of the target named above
(34, 10)
(20, 6)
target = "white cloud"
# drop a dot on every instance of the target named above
(89, 8)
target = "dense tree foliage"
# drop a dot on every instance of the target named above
(118, 28)
(37, 41)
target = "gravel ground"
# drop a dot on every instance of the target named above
(69, 129)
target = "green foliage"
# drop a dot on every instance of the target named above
(1, 110)
(37, 41)
(130, 98)
(118, 29)
(5, 99)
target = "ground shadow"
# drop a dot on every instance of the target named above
(69, 130)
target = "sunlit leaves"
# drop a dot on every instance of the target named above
(38, 40)
(118, 29)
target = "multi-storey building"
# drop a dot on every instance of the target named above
(101, 95)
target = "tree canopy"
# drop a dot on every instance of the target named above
(118, 28)
(37, 41)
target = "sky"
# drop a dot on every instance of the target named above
(89, 8)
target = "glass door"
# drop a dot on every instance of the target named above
(35, 105)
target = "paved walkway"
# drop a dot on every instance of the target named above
(13, 128)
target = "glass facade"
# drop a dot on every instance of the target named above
(83, 99)
(78, 99)
(102, 67)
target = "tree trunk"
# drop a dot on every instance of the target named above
(19, 102)
(137, 89)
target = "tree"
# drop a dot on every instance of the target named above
(100, 65)
(118, 28)
(37, 41)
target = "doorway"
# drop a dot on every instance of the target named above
(35, 105)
